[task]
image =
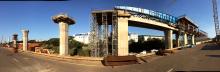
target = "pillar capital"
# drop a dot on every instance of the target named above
(63, 18)
(124, 14)
(25, 30)
(15, 34)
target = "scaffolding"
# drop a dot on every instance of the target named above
(103, 40)
(93, 37)
(114, 34)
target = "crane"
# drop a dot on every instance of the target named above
(216, 21)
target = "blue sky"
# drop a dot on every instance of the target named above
(36, 15)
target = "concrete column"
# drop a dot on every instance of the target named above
(193, 39)
(25, 39)
(185, 39)
(15, 37)
(122, 36)
(169, 39)
(64, 21)
(63, 38)
(177, 40)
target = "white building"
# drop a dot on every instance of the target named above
(146, 37)
(82, 37)
(133, 36)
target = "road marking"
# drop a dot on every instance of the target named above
(170, 70)
(15, 60)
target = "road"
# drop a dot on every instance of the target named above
(204, 57)
(24, 62)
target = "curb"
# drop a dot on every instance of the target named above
(65, 57)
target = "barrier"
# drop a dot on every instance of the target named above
(120, 60)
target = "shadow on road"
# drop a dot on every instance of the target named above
(218, 56)
(211, 47)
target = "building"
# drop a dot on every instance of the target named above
(82, 37)
(133, 36)
(146, 37)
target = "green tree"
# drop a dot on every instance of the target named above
(52, 44)
(32, 41)
(75, 46)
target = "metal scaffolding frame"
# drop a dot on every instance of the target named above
(102, 41)
(114, 34)
(93, 37)
(104, 48)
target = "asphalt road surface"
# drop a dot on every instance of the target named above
(24, 62)
(204, 57)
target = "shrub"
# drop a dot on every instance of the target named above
(84, 52)
(53, 44)
(73, 51)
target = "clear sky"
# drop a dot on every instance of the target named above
(36, 15)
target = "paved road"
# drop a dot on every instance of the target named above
(23, 62)
(202, 58)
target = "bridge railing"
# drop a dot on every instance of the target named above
(149, 14)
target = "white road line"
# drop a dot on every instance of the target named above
(170, 70)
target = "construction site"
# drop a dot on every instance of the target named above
(109, 29)
(110, 36)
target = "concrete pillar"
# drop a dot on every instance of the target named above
(193, 39)
(64, 21)
(122, 36)
(15, 37)
(169, 39)
(25, 39)
(177, 40)
(185, 39)
(63, 38)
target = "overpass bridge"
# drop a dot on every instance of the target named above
(109, 29)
